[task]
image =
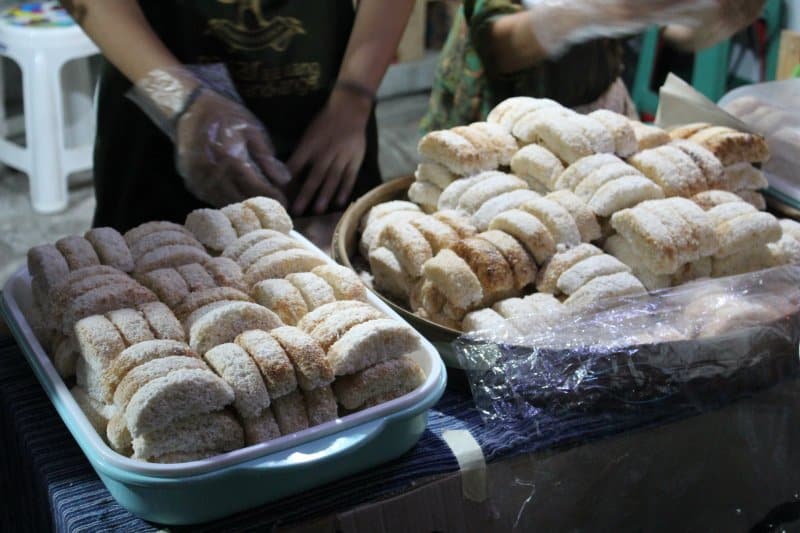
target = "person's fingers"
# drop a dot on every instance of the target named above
(263, 155)
(250, 182)
(312, 183)
(329, 187)
(348, 183)
(217, 188)
(301, 156)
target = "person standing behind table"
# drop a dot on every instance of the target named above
(238, 87)
(568, 51)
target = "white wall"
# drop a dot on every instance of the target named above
(793, 14)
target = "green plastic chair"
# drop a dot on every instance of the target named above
(710, 74)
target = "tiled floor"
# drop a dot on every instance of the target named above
(21, 227)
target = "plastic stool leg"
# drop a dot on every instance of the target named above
(78, 103)
(48, 182)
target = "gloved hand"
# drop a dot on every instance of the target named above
(559, 24)
(222, 151)
(720, 22)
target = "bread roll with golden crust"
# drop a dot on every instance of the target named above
(408, 244)
(488, 264)
(281, 297)
(688, 169)
(648, 136)
(731, 146)
(702, 226)
(345, 283)
(435, 174)
(549, 274)
(688, 130)
(521, 262)
(538, 166)
(381, 210)
(455, 279)
(567, 138)
(210, 226)
(425, 195)
(712, 168)
(503, 143)
(272, 361)
(650, 237)
(438, 234)
(456, 221)
(104, 299)
(500, 204)
(619, 126)
(529, 231)
(311, 366)
(452, 151)
(234, 365)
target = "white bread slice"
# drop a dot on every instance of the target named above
(262, 428)
(219, 431)
(195, 300)
(600, 289)
(538, 166)
(111, 248)
(163, 401)
(345, 283)
(529, 231)
(163, 323)
(243, 219)
(584, 217)
(438, 234)
(314, 290)
(149, 371)
(432, 173)
(408, 245)
(281, 264)
(370, 343)
(98, 341)
(454, 278)
(425, 195)
(500, 204)
(584, 271)
(223, 324)
(290, 413)
(556, 219)
(210, 226)
(151, 241)
(490, 185)
(320, 405)
(77, 252)
(522, 264)
(264, 248)
(281, 297)
(233, 364)
(389, 277)
(335, 325)
(355, 390)
(549, 274)
(270, 213)
(236, 248)
(311, 367)
(272, 361)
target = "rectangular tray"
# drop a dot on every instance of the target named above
(203, 490)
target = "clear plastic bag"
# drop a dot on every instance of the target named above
(693, 346)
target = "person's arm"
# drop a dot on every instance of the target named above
(333, 146)
(716, 25)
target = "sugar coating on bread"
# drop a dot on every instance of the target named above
(499, 204)
(275, 366)
(602, 288)
(483, 320)
(408, 244)
(526, 127)
(529, 231)
(369, 236)
(264, 248)
(138, 354)
(370, 343)
(438, 234)
(490, 185)
(196, 277)
(47, 264)
(262, 428)
(167, 284)
(649, 136)
(233, 364)
(225, 273)
(77, 252)
(389, 278)
(707, 200)
(211, 227)
(223, 324)
(663, 171)
(426, 195)
(489, 158)
(452, 194)
(744, 176)
(584, 217)
(172, 255)
(619, 126)
(281, 264)
(602, 175)
(355, 390)
(537, 165)
(314, 290)
(163, 401)
(556, 219)
(132, 236)
(146, 372)
(680, 230)
(688, 130)
(243, 219)
(196, 300)
(488, 264)
(458, 222)
(568, 140)
(687, 168)
(754, 198)
(379, 211)
(320, 405)
(132, 325)
(650, 237)
(549, 274)
(627, 191)
(750, 260)
(502, 142)
(98, 340)
(243, 243)
(283, 298)
(317, 316)
(62, 296)
(345, 283)
(271, 214)
(155, 240)
(728, 211)
(584, 271)
(514, 109)
(335, 325)
(713, 171)
(746, 231)
(111, 248)
(162, 321)
(312, 368)
(702, 226)
(290, 413)
(580, 169)
(452, 151)
(521, 262)
(191, 435)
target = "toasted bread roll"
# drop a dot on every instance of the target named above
(500, 204)
(425, 195)
(648, 235)
(77, 252)
(680, 230)
(225, 323)
(243, 219)
(660, 169)
(239, 246)
(567, 139)
(196, 277)
(522, 264)
(61, 296)
(602, 175)
(389, 277)
(211, 227)
(482, 143)
(369, 237)
(744, 176)
(381, 210)
(584, 271)
(272, 361)
(167, 284)
(234, 365)
(603, 288)
(132, 236)
(731, 146)
(538, 166)
(456, 221)
(619, 126)
(314, 290)
(527, 126)
(198, 299)
(320, 405)
(317, 316)
(728, 211)
(111, 248)
(455, 278)
(556, 219)
(488, 264)
(162, 321)
(688, 169)
(432, 173)
(355, 390)
(549, 274)
(648, 136)
(688, 130)
(713, 171)
(625, 192)
(98, 413)
(492, 184)
(745, 232)
(750, 260)
(753, 198)
(515, 108)
(502, 142)
(483, 320)
(438, 234)
(579, 170)
(136, 355)
(281, 297)
(190, 438)
(702, 226)
(622, 250)
(529, 231)
(119, 438)
(264, 248)
(710, 199)
(147, 372)
(408, 244)
(345, 283)
(584, 218)
(452, 194)
(270, 213)
(335, 325)
(158, 239)
(452, 151)
(262, 428)
(370, 343)
(48, 266)
(312, 368)
(281, 264)
(170, 256)
(132, 325)
(104, 299)
(225, 273)
(290, 413)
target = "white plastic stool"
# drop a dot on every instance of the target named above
(56, 145)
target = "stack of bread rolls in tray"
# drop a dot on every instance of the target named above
(191, 340)
(543, 211)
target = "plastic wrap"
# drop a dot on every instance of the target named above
(694, 346)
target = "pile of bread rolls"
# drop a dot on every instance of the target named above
(186, 341)
(586, 209)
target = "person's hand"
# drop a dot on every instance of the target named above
(224, 154)
(718, 22)
(332, 150)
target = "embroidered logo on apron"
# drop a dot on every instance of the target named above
(252, 31)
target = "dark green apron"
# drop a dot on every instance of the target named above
(284, 57)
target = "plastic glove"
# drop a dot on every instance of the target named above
(559, 24)
(222, 151)
(716, 24)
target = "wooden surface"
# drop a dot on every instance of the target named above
(789, 57)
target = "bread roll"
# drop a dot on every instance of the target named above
(457, 222)
(312, 368)
(745, 232)
(455, 278)
(438, 234)
(210, 226)
(499, 204)
(98, 413)
(452, 194)
(488, 264)
(281, 264)
(132, 236)
(584, 218)
(529, 231)
(521, 262)
(619, 126)
(162, 321)
(650, 237)
(538, 166)
(744, 176)
(648, 136)
(389, 276)
(190, 438)
(600, 176)
(549, 274)
(273, 362)
(239, 246)
(425, 195)
(407, 244)
(270, 213)
(173, 255)
(502, 142)
(290, 413)
(196, 277)
(225, 323)
(369, 237)
(234, 365)
(136, 355)
(242, 218)
(345, 283)
(281, 297)
(713, 171)
(556, 219)
(491, 185)
(753, 198)
(198, 299)
(482, 143)
(527, 127)
(327, 332)
(132, 325)
(355, 390)
(265, 248)
(262, 428)
(597, 291)
(590, 268)
(483, 320)
(320, 405)
(710, 199)
(579, 170)
(111, 248)
(48, 266)
(622, 193)
(432, 173)
(147, 372)
(370, 343)
(452, 151)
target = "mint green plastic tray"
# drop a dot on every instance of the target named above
(200, 491)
